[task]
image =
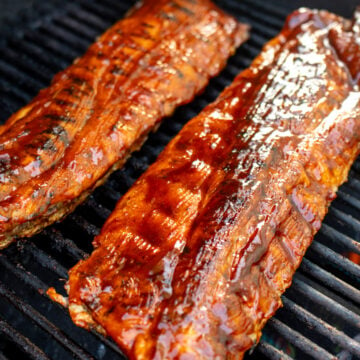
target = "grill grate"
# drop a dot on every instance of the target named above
(321, 314)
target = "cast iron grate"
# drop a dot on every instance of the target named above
(321, 314)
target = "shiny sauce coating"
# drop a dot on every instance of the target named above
(58, 148)
(194, 259)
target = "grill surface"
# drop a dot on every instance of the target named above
(321, 314)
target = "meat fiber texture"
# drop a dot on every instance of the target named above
(69, 138)
(194, 259)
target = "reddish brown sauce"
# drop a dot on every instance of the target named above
(95, 112)
(194, 258)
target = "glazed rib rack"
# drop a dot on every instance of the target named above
(321, 314)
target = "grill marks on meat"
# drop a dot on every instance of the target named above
(194, 258)
(60, 146)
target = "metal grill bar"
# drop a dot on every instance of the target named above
(273, 9)
(44, 323)
(299, 340)
(109, 344)
(345, 218)
(27, 65)
(349, 199)
(38, 285)
(84, 32)
(27, 82)
(330, 280)
(45, 260)
(3, 357)
(62, 35)
(36, 52)
(322, 327)
(90, 229)
(345, 355)
(22, 342)
(88, 18)
(119, 7)
(271, 21)
(50, 45)
(24, 276)
(14, 94)
(323, 300)
(335, 259)
(272, 352)
(356, 167)
(336, 236)
(101, 11)
(60, 242)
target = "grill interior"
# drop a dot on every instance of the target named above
(321, 314)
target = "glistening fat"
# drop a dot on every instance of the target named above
(69, 138)
(194, 258)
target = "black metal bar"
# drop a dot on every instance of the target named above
(300, 341)
(25, 80)
(81, 30)
(70, 39)
(13, 93)
(346, 355)
(22, 342)
(260, 30)
(250, 50)
(64, 243)
(273, 9)
(101, 212)
(356, 166)
(45, 324)
(329, 304)
(24, 276)
(120, 7)
(252, 14)
(345, 218)
(90, 229)
(42, 55)
(330, 280)
(47, 43)
(28, 65)
(320, 326)
(353, 201)
(3, 357)
(45, 260)
(337, 237)
(271, 352)
(86, 17)
(99, 10)
(109, 197)
(334, 258)
(258, 39)
(353, 182)
(37, 285)
(109, 343)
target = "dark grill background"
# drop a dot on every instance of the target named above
(321, 314)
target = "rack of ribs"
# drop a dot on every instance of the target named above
(193, 260)
(72, 135)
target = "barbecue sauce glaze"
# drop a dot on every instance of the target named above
(69, 138)
(192, 262)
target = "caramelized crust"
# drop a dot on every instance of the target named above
(58, 148)
(192, 262)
